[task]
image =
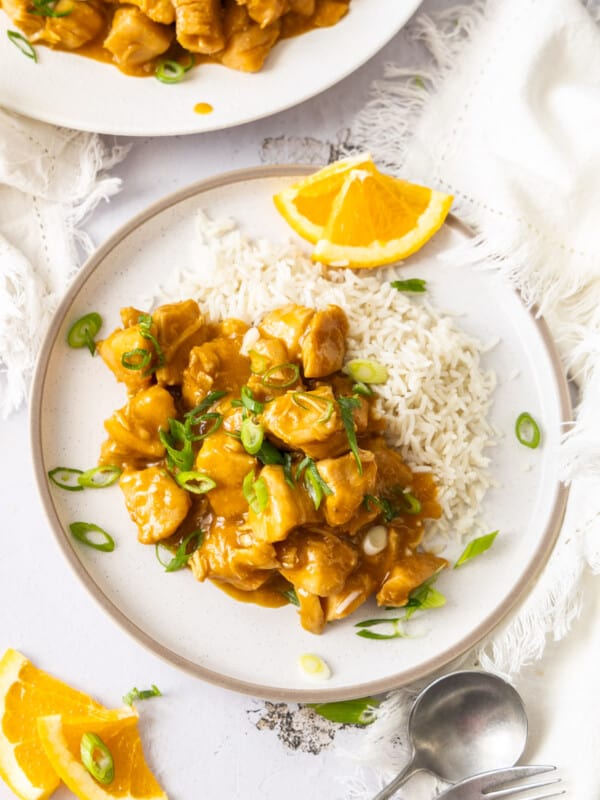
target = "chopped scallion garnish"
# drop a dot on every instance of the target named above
(47, 8)
(178, 444)
(315, 485)
(292, 597)
(247, 400)
(169, 71)
(476, 547)
(195, 482)
(527, 430)
(410, 285)
(93, 536)
(183, 552)
(100, 477)
(397, 632)
(66, 478)
(82, 331)
(145, 325)
(97, 758)
(252, 436)
(255, 492)
(23, 44)
(347, 406)
(293, 371)
(141, 694)
(210, 399)
(136, 359)
(307, 399)
(363, 389)
(366, 371)
(362, 711)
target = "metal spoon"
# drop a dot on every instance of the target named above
(461, 724)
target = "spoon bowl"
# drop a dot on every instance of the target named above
(461, 724)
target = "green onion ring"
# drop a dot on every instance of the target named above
(314, 398)
(527, 430)
(169, 71)
(60, 476)
(82, 331)
(255, 492)
(82, 530)
(214, 416)
(129, 362)
(366, 371)
(97, 758)
(362, 389)
(45, 8)
(23, 44)
(195, 482)
(248, 401)
(293, 368)
(411, 504)
(252, 435)
(100, 477)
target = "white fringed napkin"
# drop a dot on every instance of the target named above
(50, 179)
(507, 118)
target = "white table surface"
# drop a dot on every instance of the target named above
(204, 741)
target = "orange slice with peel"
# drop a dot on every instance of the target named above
(376, 219)
(306, 204)
(25, 694)
(61, 738)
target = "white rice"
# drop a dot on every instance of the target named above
(437, 396)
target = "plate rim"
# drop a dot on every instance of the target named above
(537, 561)
(203, 122)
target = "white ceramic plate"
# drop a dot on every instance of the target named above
(80, 93)
(246, 647)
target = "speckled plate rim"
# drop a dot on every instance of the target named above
(432, 665)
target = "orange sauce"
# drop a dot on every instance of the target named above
(203, 108)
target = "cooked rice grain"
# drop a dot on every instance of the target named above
(437, 396)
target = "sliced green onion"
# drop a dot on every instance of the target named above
(182, 554)
(314, 667)
(423, 597)
(248, 401)
(269, 454)
(136, 359)
(145, 323)
(363, 389)
(347, 405)
(387, 509)
(527, 430)
(178, 457)
(143, 694)
(258, 362)
(476, 547)
(252, 436)
(397, 632)
(46, 8)
(168, 71)
(93, 536)
(411, 505)
(100, 477)
(315, 485)
(314, 400)
(410, 285)
(212, 416)
(287, 470)
(255, 492)
(366, 371)
(291, 596)
(66, 478)
(23, 44)
(97, 758)
(362, 711)
(294, 369)
(210, 399)
(195, 482)
(82, 331)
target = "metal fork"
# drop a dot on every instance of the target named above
(494, 785)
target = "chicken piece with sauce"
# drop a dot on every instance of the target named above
(134, 39)
(155, 502)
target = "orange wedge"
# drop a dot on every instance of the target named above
(358, 217)
(376, 219)
(306, 205)
(61, 737)
(25, 694)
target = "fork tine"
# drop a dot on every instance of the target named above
(497, 778)
(529, 796)
(498, 792)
